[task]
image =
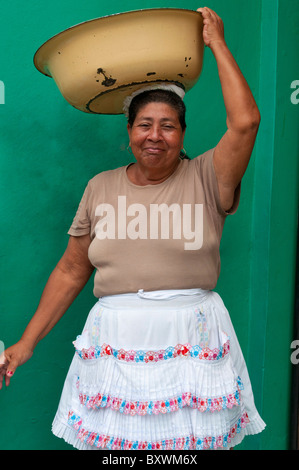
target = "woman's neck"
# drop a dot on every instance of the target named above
(142, 176)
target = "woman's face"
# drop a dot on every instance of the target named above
(156, 137)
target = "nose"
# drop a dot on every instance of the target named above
(154, 133)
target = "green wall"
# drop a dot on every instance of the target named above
(49, 150)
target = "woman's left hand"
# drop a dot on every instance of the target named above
(213, 30)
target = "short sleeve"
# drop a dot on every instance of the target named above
(206, 170)
(81, 223)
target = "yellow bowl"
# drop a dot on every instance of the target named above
(98, 63)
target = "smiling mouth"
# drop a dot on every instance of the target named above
(153, 150)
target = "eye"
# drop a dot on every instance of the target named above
(144, 125)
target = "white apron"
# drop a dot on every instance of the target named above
(157, 370)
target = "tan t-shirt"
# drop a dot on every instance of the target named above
(154, 237)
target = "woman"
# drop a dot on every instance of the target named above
(158, 365)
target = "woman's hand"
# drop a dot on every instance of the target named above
(12, 358)
(213, 30)
(64, 284)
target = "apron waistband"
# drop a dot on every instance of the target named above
(168, 294)
(167, 297)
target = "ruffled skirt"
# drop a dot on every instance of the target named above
(157, 370)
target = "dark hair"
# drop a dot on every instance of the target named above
(158, 96)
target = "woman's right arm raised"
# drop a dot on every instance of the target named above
(64, 284)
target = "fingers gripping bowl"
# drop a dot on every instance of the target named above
(97, 64)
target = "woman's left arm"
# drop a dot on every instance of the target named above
(233, 152)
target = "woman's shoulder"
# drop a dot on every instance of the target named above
(106, 176)
(204, 157)
(199, 165)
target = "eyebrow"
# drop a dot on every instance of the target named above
(145, 118)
